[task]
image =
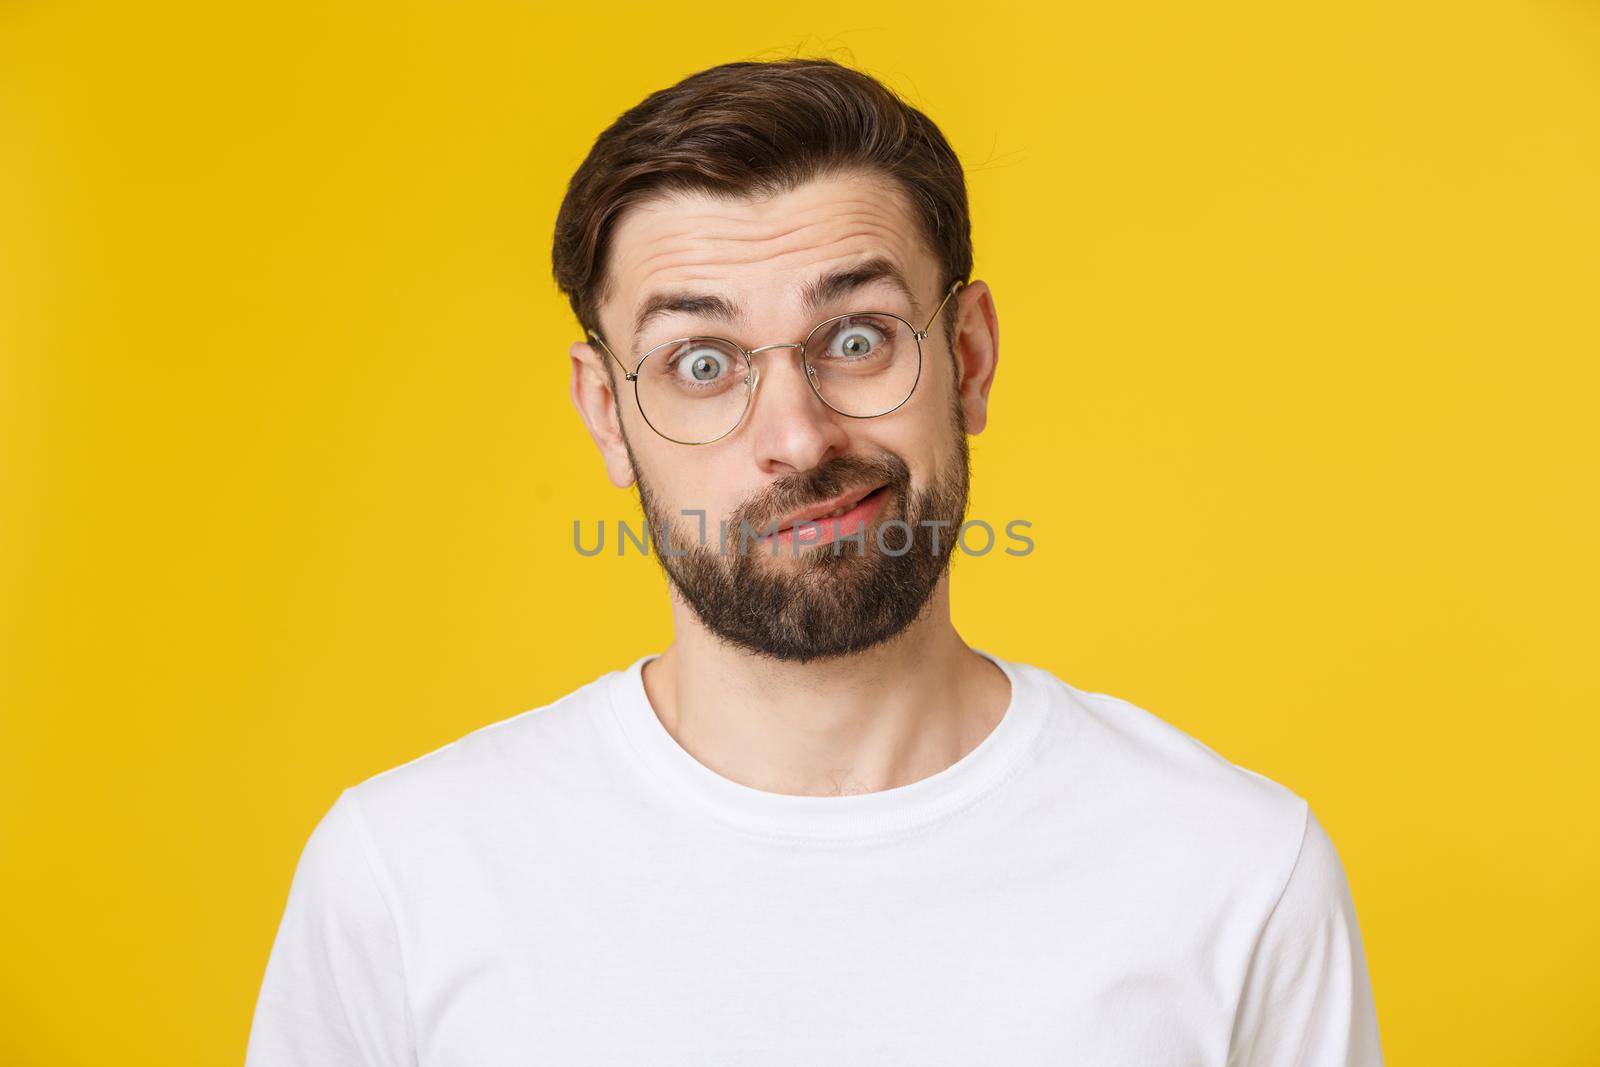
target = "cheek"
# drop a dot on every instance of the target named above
(924, 438)
(687, 479)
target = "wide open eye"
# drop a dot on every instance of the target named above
(701, 365)
(856, 339)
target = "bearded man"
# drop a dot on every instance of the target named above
(818, 827)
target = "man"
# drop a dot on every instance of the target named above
(818, 828)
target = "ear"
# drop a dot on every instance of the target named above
(977, 351)
(595, 400)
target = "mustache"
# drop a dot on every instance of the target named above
(831, 479)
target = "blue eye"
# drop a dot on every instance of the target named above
(855, 341)
(702, 365)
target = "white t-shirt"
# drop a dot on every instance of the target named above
(1089, 885)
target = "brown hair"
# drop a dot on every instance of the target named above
(753, 129)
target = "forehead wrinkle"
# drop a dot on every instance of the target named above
(758, 230)
(701, 256)
(695, 270)
(701, 209)
(853, 209)
(683, 253)
(705, 245)
(737, 312)
(696, 234)
(702, 269)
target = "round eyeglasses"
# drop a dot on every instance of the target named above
(696, 390)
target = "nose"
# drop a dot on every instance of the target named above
(791, 428)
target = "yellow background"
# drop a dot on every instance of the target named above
(1297, 387)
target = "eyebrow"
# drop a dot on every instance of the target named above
(815, 295)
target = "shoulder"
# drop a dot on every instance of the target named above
(1165, 790)
(1134, 749)
(544, 750)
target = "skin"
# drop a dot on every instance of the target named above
(901, 710)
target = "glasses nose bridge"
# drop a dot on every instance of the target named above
(755, 368)
(768, 348)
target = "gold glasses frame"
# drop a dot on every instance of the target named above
(753, 377)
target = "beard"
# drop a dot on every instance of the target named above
(832, 599)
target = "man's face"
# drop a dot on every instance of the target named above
(805, 594)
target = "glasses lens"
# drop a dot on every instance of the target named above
(694, 391)
(865, 364)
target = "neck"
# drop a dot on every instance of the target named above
(886, 717)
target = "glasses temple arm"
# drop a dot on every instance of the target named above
(935, 316)
(626, 373)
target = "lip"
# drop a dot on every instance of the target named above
(819, 512)
(864, 507)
